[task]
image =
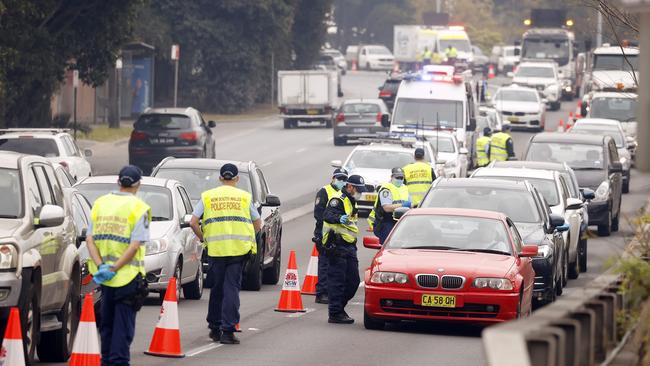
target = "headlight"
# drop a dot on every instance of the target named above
(389, 277)
(451, 164)
(8, 257)
(544, 251)
(155, 246)
(493, 283)
(602, 193)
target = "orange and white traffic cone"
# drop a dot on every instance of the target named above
(311, 279)
(290, 299)
(11, 353)
(560, 126)
(166, 340)
(491, 72)
(85, 351)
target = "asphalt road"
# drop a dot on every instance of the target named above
(296, 163)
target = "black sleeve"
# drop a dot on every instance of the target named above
(510, 148)
(433, 174)
(334, 211)
(319, 208)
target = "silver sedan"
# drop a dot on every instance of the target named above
(359, 118)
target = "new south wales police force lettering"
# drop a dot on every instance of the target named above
(225, 203)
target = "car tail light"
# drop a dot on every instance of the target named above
(189, 136)
(138, 136)
(283, 110)
(379, 117)
(457, 79)
(384, 93)
(340, 118)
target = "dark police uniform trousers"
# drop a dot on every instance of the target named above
(117, 324)
(319, 209)
(225, 277)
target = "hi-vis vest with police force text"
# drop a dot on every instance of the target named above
(331, 192)
(482, 158)
(114, 217)
(227, 226)
(418, 179)
(498, 146)
(399, 195)
(347, 231)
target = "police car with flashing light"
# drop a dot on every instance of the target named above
(437, 99)
(375, 159)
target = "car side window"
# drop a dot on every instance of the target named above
(78, 215)
(46, 189)
(613, 153)
(56, 187)
(68, 146)
(519, 243)
(32, 191)
(257, 187)
(265, 189)
(186, 201)
(179, 205)
(565, 190)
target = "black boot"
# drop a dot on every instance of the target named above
(340, 318)
(322, 299)
(215, 335)
(229, 338)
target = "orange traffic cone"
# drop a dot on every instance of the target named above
(560, 126)
(579, 110)
(354, 65)
(85, 351)
(12, 344)
(290, 299)
(491, 72)
(311, 279)
(166, 340)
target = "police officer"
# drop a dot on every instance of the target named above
(501, 145)
(452, 53)
(483, 148)
(230, 226)
(391, 195)
(324, 195)
(426, 56)
(339, 242)
(119, 227)
(418, 177)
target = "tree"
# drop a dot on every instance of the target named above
(41, 39)
(308, 31)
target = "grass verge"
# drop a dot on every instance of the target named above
(102, 133)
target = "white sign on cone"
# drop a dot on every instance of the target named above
(11, 353)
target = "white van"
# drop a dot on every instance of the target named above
(437, 99)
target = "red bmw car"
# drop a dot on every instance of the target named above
(447, 264)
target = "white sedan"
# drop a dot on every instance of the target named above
(449, 153)
(521, 107)
(56, 145)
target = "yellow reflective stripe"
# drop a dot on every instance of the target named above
(229, 237)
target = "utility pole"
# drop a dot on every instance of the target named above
(599, 29)
(176, 53)
(272, 77)
(438, 6)
(75, 84)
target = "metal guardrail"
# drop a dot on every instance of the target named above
(578, 329)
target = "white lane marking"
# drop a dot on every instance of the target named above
(298, 315)
(254, 329)
(361, 284)
(267, 164)
(297, 212)
(355, 303)
(302, 149)
(199, 350)
(330, 139)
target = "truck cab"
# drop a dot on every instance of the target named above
(436, 99)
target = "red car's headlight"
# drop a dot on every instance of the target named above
(493, 283)
(389, 277)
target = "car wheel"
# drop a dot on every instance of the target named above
(521, 299)
(30, 314)
(372, 323)
(615, 222)
(574, 267)
(288, 124)
(253, 276)
(56, 345)
(368, 66)
(565, 268)
(606, 228)
(582, 254)
(340, 141)
(626, 185)
(271, 275)
(177, 274)
(556, 106)
(328, 123)
(194, 289)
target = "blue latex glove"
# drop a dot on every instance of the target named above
(406, 204)
(104, 267)
(344, 219)
(101, 276)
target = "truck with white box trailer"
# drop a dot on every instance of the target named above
(307, 96)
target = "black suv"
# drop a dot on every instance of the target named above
(388, 91)
(178, 132)
(199, 175)
(596, 164)
(526, 208)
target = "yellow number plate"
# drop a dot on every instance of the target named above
(439, 301)
(513, 119)
(312, 111)
(371, 197)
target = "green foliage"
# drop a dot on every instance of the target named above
(308, 25)
(40, 39)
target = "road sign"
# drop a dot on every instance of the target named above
(75, 78)
(176, 52)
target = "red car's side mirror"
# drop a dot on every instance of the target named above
(371, 242)
(528, 251)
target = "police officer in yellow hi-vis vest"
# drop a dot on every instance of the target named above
(501, 145)
(119, 227)
(391, 196)
(418, 177)
(324, 195)
(229, 228)
(483, 148)
(339, 243)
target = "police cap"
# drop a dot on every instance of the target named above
(487, 131)
(397, 172)
(357, 182)
(228, 171)
(129, 175)
(419, 153)
(340, 173)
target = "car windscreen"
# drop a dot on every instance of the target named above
(535, 72)
(447, 232)
(577, 156)
(546, 187)
(459, 44)
(548, 48)
(391, 86)
(519, 205)
(360, 108)
(197, 181)
(379, 51)
(620, 109)
(30, 146)
(378, 159)
(163, 122)
(442, 144)
(12, 203)
(590, 129)
(430, 112)
(159, 198)
(616, 62)
(516, 96)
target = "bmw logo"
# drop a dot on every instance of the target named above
(441, 269)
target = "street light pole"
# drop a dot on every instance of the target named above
(118, 68)
(176, 51)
